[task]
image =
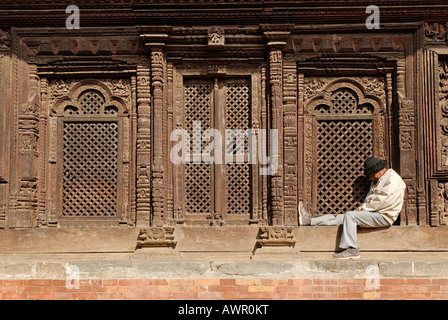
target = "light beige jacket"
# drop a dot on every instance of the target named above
(386, 196)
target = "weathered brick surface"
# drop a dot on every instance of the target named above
(189, 289)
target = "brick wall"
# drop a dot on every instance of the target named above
(228, 289)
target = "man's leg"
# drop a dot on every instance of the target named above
(364, 219)
(328, 220)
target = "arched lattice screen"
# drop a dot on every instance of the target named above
(343, 143)
(90, 158)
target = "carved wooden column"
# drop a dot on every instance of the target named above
(407, 143)
(275, 60)
(5, 83)
(290, 141)
(28, 134)
(43, 153)
(158, 60)
(276, 43)
(143, 201)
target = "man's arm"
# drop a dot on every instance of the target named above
(384, 197)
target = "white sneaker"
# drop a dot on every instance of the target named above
(304, 216)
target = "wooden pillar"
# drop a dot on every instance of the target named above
(156, 43)
(290, 142)
(157, 62)
(5, 84)
(277, 40)
(27, 157)
(143, 201)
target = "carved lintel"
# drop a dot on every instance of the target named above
(156, 237)
(216, 69)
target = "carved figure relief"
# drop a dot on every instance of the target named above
(216, 36)
(436, 32)
(442, 202)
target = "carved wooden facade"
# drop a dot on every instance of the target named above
(87, 117)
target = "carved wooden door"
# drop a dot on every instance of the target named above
(217, 191)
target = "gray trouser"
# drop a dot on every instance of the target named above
(350, 220)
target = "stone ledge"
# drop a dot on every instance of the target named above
(395, 238)
(204, 242)
(308, 266)
(69, 240)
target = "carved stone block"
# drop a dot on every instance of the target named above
(216, 36)
(275, 241)
(156, 237)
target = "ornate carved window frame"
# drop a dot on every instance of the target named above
(65, 94)
(319, 92)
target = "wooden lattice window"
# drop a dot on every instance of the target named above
(198, 179)
(90, 158)
(238, 176)
(218, 189)
(344, 139)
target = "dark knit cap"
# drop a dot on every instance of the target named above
(373, 165)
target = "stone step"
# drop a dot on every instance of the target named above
(205, 241)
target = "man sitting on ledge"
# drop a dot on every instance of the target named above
(380, 208)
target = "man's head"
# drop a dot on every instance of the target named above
(374, 168)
